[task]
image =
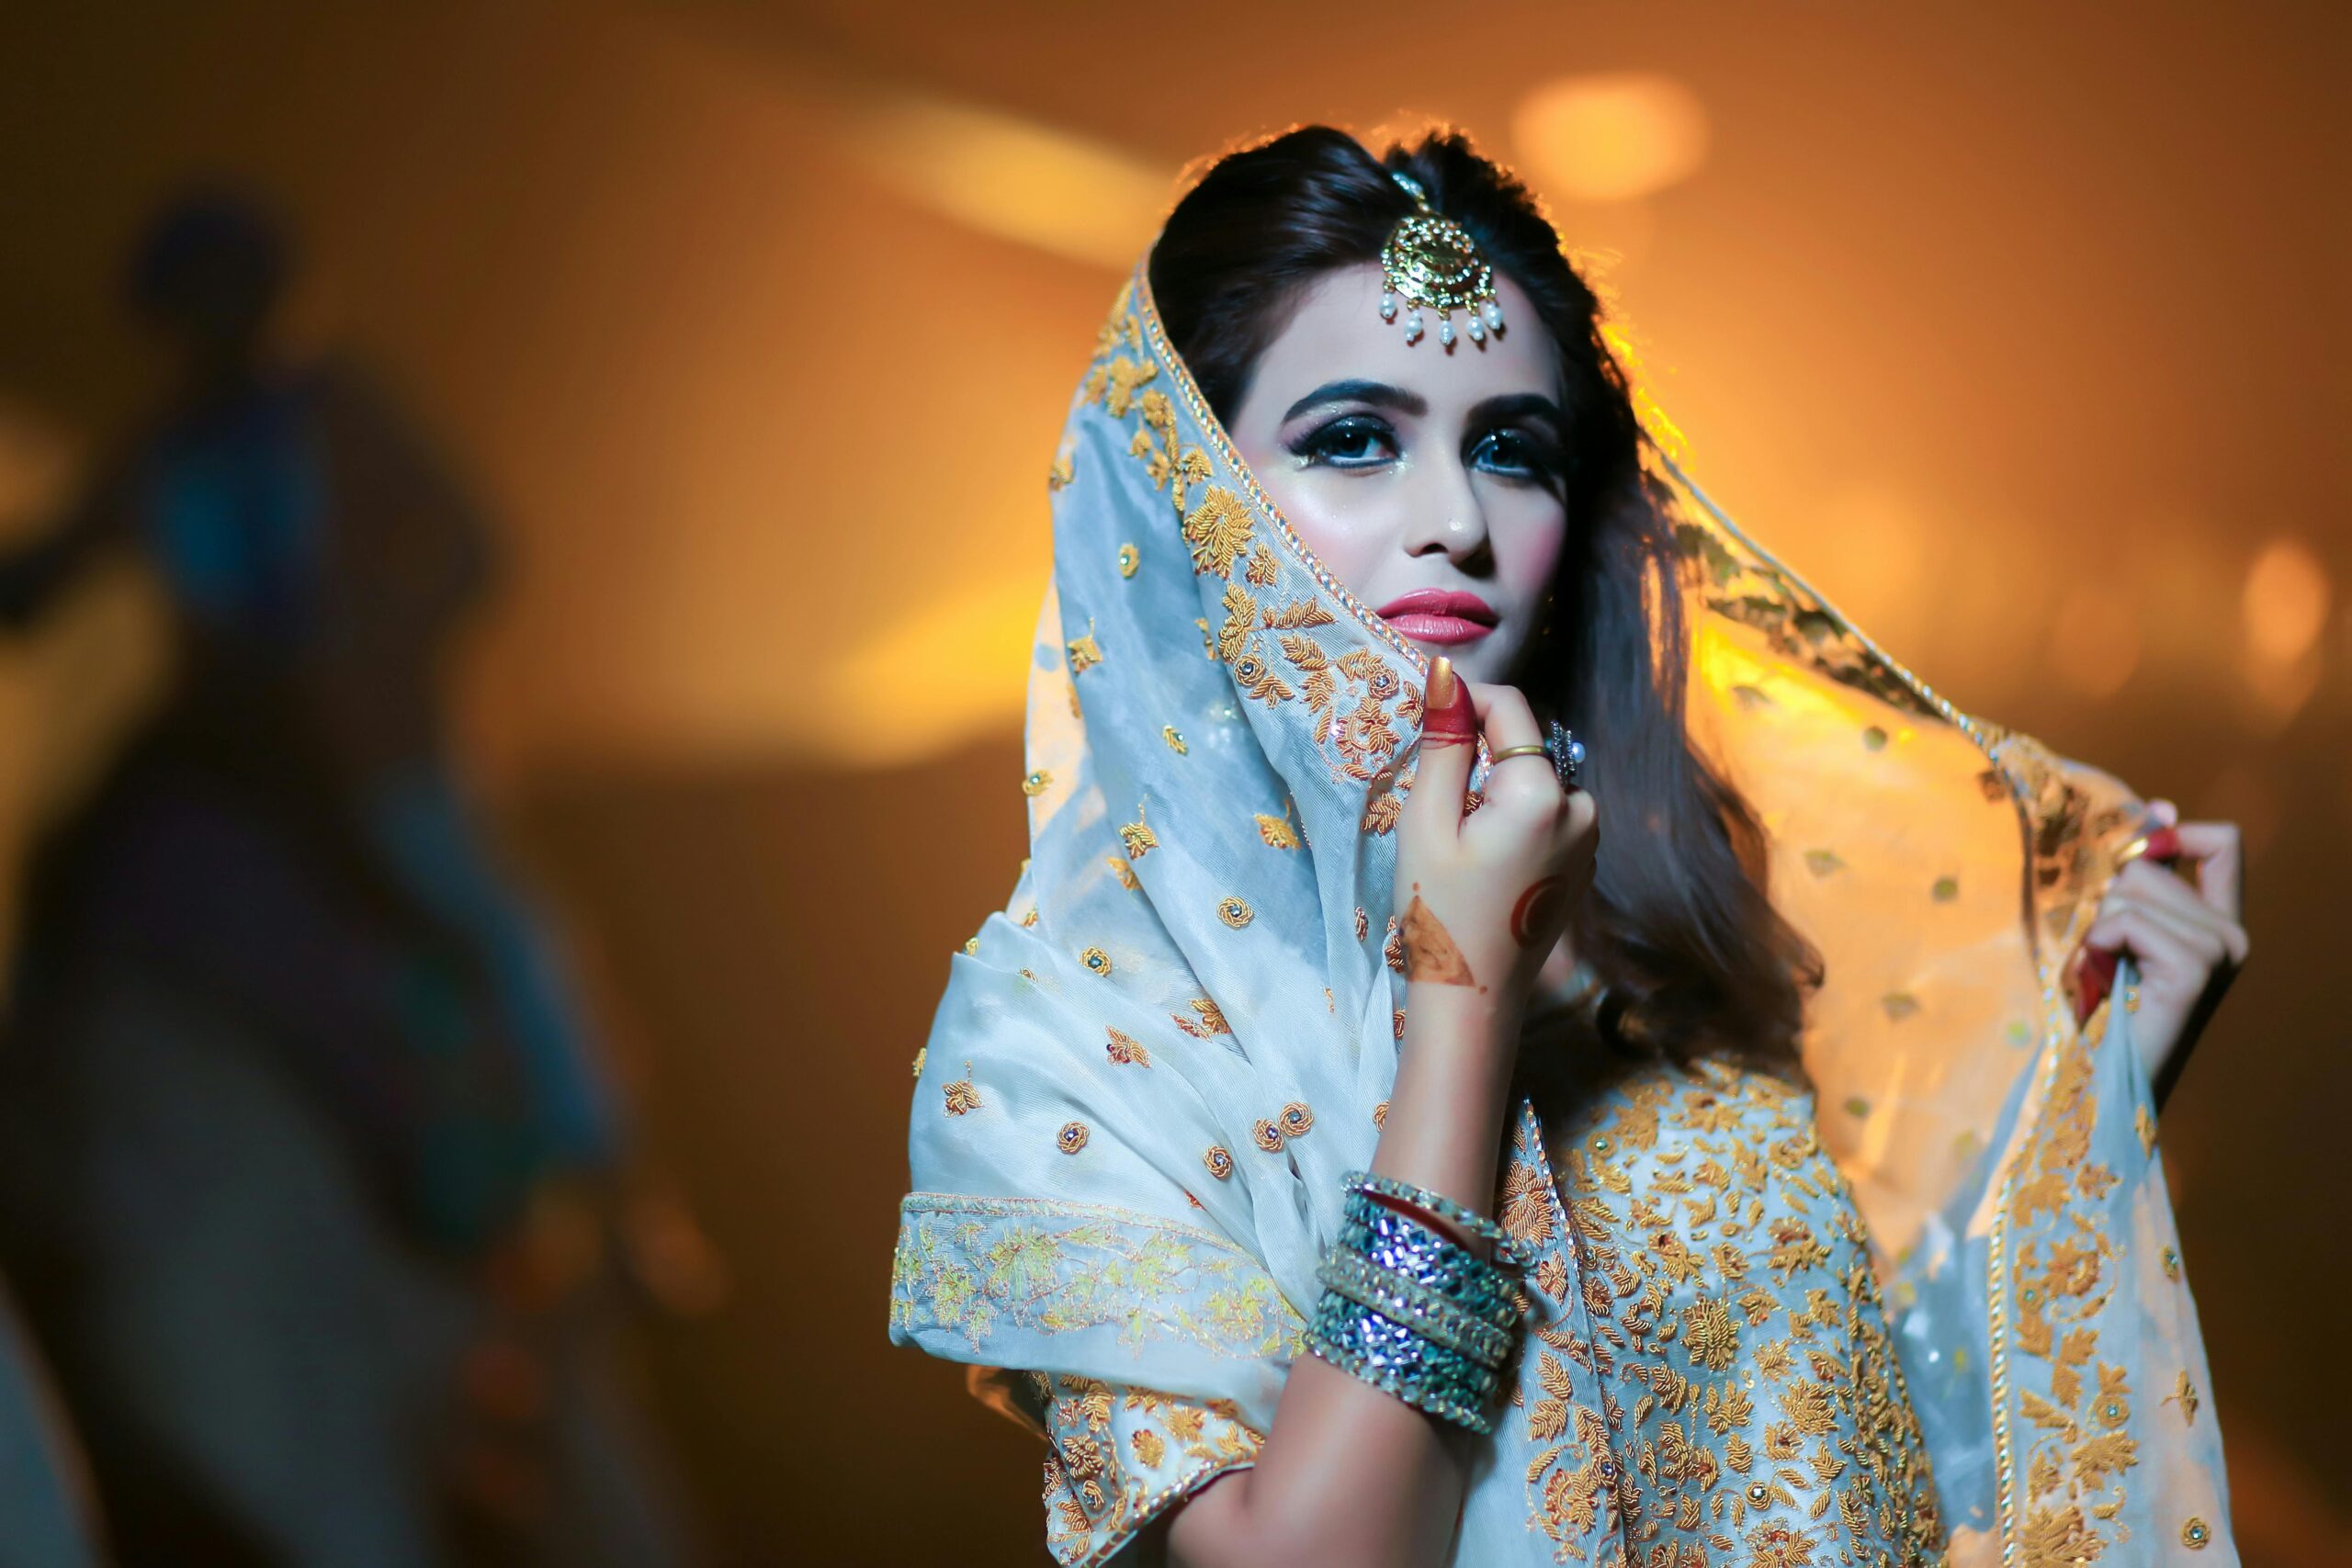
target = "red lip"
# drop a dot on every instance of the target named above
(1443, 616)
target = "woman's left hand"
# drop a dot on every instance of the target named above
(2184, 936)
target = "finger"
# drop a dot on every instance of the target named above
(2166, 811)
(2151, 882)
(1510, 722)
(2194, 929)
(1448, 747)
(2151, 938)
(2148, 883)
(2220, 855)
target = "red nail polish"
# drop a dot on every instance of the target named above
(2092, 976)
(1449, 717)
(2164, 843)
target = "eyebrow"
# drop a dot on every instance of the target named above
(1380, 394)
(1521, 405)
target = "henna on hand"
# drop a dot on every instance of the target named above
(1430, 952)
(1536, 909)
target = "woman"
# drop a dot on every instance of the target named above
(1351, 504)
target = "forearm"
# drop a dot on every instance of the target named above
(1349, 1476)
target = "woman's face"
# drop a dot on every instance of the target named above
(1426, 478)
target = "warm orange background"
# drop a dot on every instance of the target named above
(2021, 331)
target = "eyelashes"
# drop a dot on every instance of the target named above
(1363, 441)
(1352, 441)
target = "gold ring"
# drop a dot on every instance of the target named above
(1536, 750)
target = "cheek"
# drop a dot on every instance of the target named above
(1529, 531)
(1344, 526)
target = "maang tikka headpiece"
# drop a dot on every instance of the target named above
(1431, 260)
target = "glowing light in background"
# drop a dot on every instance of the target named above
(934, 678)
(1062, 193)
(2285, 604)
(2095, 639)
(1610, 138)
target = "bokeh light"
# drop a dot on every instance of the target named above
(2285, 600)
(1003, 176)
(1610, 138)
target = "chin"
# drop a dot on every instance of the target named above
(1482, 662)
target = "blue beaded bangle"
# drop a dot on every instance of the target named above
(1484, 1299)
(1389, 1240)
(1395, 1359)
(1510, 1251)
(1408, 1302)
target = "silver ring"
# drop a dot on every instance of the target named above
(1567, 753)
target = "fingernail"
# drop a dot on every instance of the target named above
(1448, 714)
(2093, 975)
(2164, 844)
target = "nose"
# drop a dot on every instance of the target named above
(1445, 514)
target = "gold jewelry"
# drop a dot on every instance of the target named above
(1536, 749)
(1431, 260)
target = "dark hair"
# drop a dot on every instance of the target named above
(1681, 931)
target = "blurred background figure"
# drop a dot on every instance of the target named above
(304, 1148)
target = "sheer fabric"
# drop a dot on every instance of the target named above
(1150, 1070)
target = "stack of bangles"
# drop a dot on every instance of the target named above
(1409, 1310)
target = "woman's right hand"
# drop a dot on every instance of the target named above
(1483, 899)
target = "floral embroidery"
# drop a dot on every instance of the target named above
(1235, 912)
(1100, 1490)
(1129, 558)
(2077, 1449)
(1137, 839)
(1175, 741)
(1126, 876)
(1085, 653)
(961, 1096)
(1733, 1317)
(1097, 961)
(1266, 1136)
(1219, 1160)
(975, 1267)
(1125, 1048)
(1380, 1114)
(1295, 1119)
(1211, 1019)
(1277, 832)
(1217, 530)
(2185, 1393)
(1037, 783)
(1071, 1138)
(1059, 475)
(923, 1053)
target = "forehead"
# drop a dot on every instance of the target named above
(1334, 331)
